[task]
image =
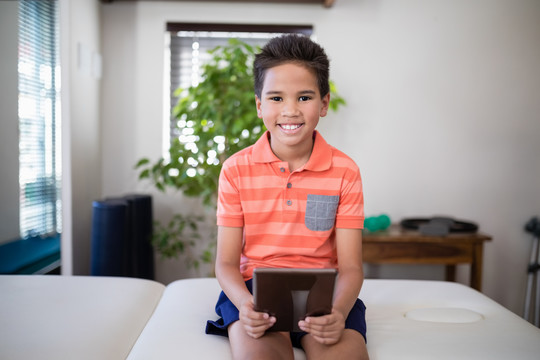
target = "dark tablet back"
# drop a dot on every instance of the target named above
(292, 294)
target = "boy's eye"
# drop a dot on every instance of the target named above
(275, 98)
(304, 98)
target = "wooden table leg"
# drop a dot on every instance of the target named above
(476, 267)
(450, 273)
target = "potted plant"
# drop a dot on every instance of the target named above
(215, 119)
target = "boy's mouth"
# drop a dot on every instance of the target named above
(290, 127)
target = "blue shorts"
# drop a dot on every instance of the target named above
(229, 313)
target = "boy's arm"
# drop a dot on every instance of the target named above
(351, 272)
(327, 329)
(229, 248)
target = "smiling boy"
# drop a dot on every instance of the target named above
(290, 200)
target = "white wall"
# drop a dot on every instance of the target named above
(442, 116)
(81, 160)
(9, 122)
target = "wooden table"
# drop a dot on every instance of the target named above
(399, 246)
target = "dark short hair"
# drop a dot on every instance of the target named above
(292, 48)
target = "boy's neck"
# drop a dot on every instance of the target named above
(296, 156)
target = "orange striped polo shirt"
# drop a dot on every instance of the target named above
(289, 219)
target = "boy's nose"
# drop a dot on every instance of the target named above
(289, 109)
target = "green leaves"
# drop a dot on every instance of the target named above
(335, 99)
(141, 162)
(177, 236)
(215, 119)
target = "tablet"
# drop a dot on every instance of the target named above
(292, 294)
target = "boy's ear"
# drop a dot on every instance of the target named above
(258, 105)
(325, 102)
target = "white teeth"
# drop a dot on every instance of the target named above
(290, 127)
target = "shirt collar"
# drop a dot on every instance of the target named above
(320, 159)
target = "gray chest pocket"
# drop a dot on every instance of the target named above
(321, 212)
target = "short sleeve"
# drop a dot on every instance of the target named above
(229, 206)
(350, 212)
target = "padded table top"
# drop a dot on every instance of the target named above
(416, 320)
(479, 328)
(60, 317)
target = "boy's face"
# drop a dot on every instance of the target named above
(290, 106)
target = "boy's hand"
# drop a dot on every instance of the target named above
(255, 323)
(326, 329)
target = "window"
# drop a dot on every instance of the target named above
(189, 44)
(39, 118)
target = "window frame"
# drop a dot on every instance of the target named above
(39, 107)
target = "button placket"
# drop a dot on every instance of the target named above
(289, 194)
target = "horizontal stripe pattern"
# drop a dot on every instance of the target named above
(282, 227)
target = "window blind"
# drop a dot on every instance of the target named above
(39, 118)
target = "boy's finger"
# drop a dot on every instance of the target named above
(320, 320)
(257, 330)
(260, 322)
(326, 319)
